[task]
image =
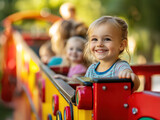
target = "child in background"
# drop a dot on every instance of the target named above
(60, 32)
(107, 39)
(74, 54)
(45, 52)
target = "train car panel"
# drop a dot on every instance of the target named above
(147, 71)
(51, 90)
(110, 97)
(31, 85)
(85, 114)
(144, 106)
(9, 68)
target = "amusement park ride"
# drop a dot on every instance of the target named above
(54, 99)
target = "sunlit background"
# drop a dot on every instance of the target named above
(142, 16)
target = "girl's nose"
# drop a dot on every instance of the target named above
(74, 51)
(100, 43)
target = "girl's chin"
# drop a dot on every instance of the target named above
(100, 57)
(103, 58)
(76, 61)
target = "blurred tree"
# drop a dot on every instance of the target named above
(150, 21)
(143, 17)
(147, 17)
(6, 8)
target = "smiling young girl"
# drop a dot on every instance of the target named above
(74, 55)
(107, 39)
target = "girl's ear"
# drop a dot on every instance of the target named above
(123, 44)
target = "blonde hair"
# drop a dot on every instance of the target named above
(46, 48)
(45, 52)
(117, 22)
(76, 38)
(83, 41)
(60, 32)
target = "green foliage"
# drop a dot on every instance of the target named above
(21, 5)
(6, 8)
(157, 54)
(88, 11)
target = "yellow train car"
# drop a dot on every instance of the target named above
(52, 98)
(47, 98)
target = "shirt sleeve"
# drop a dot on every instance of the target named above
(122, 65)
(89, 71)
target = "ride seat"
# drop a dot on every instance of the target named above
(60, 69)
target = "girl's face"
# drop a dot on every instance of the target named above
(45, 56)
(106, 42)
(75, 51)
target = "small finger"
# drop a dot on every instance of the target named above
(120, 75)
(128, 75)
(133, 77)
(124, 74)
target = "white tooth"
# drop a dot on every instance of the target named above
(99, 50)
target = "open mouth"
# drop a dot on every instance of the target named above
(101, 51)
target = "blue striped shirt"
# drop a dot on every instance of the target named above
(113, 71)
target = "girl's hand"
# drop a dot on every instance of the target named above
(65, 78)
(125, 74)
(59, 76)
(129, 74)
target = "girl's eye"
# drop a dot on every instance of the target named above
(94, 39)
(70, 48)
(107, 39)
(79, 50)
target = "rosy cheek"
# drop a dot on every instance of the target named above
(68, 54)
(91, 46)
